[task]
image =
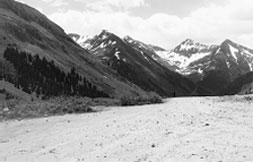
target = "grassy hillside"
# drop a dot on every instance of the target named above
(30, 31)
(10, 89)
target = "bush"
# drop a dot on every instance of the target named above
(248, 98)
(71, 105)
(55, 106)
(148, 98)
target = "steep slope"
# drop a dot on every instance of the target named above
(182, 57)
(138, 63)
(246, 89)
(83, 41)
(75, 37)
(28, 30)
(148, 50)
(241, 85)
(213, 67)
(10, 89)
(228, 62)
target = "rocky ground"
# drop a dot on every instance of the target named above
(179, 130)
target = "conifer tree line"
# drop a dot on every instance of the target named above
(45, 79)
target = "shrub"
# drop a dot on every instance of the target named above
(148, 98)
(248, 98)
(55, 106)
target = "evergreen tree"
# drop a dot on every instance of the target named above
(44, 78)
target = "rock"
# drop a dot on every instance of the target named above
(6, 109)
(207, 124)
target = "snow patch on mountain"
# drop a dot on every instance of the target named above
(228, 64)
(200, 71)
(154, 58)
(128, 39)
(83, 41)
(233, 52)
(184, 56)
(247, 52)
(250, 64)
(187, 58)
(104, 37)
(142, 53)
(102, 45)
(181, 61)
(188, 47)
(117, 55)
(218, 51)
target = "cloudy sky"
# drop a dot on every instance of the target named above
(161, 22)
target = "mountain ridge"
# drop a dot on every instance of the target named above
(136, 61)
(210, 66)
(29, 31)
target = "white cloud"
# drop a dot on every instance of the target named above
(110, 5)
(211, 24)
(58, 3)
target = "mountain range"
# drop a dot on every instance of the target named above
(212, 68)
(46, 62)
(139, 64)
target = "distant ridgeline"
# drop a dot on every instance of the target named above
(35, 75)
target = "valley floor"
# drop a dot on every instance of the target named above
(179, 130)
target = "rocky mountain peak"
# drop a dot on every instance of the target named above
(105, 34)
(188, 41)
(128, 39)
(189, 47)
(228, 41)
(74, 36)
(190, 44)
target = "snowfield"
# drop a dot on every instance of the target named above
(179, 130)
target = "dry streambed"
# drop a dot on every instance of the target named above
(183, 129)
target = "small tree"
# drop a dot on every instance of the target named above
(174, 93)
(7, 71)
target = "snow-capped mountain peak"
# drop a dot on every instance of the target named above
(228, 41)
(137, 45)
(238, 54)
(104, 34)
(74, 36)
(189, 47)
(206, 64)
(128, 39)
(188, 41)
(186, 53)
(87, 42)
(210, 64)
(83, 41)
(137, 62)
